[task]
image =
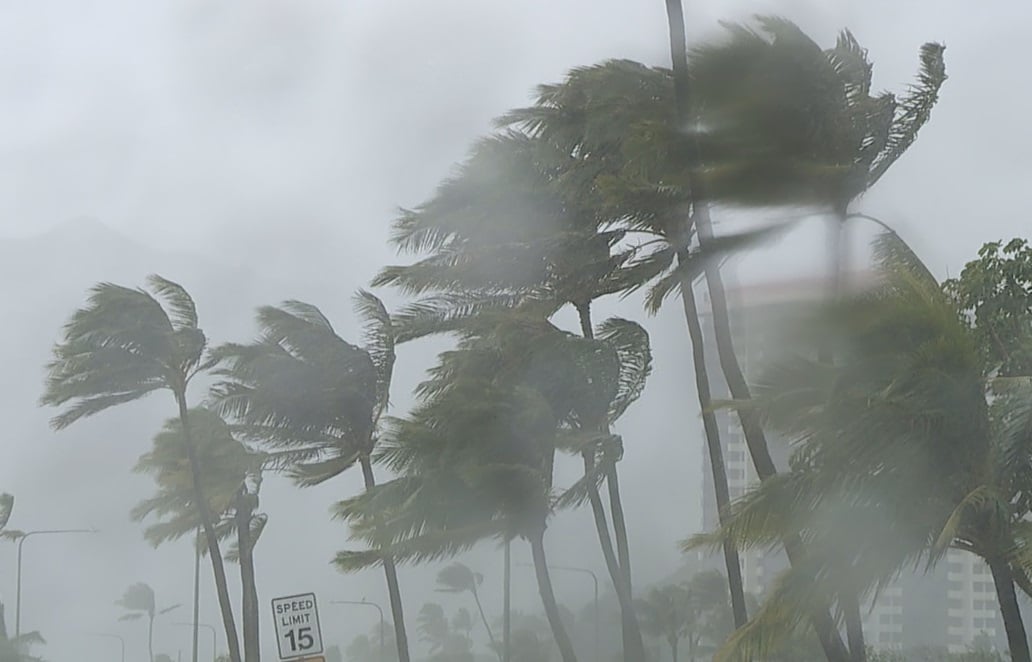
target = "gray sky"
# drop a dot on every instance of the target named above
(255, 150)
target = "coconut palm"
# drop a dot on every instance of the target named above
(138, 601)
(122, 345)
(502, 234)
(458, 578)
(230, 478)
(474, 460)
(910, 434)
(314, 400)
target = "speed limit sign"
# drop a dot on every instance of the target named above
(297, 626)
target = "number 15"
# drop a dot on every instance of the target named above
(300, 639)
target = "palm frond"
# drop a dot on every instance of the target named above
(913, 110)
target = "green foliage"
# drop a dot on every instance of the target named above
(225, 463)
(311, 398)
(994, 293)
(899, 434)
(124, 344)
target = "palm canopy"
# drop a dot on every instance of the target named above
(474, 459)
(226, 464)
(783, 120)
(308, 395)
(123, 344)
(503, 232)
(901, 449)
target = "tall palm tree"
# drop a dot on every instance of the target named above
(122, 345)
(231, 475)
(474, 460)
(138, 600)
(503, 233)
(910, 433)
(458, 578)
(315, 400)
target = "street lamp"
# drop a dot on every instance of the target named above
(368, 604)
(107, 635)
(214, 635)
(594, 579)
(21, 541)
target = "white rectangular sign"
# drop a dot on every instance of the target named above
(297, 626)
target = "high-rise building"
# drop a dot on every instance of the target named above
(951, 605)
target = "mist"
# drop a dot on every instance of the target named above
(256, 152)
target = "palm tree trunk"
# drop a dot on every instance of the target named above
(150, 637)
(214, 553)
(544, 581)
(249, 613)
(716, 453)
(390, 571)
(196, 591)
(618, 566)
(837, 254)
(483, 619)
(755, 439)
(507, 603)
(1017, 640)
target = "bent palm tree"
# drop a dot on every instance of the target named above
(230, 478)
(315, 400)
(139, 602)
(889, 432)
(474, 460)
(504, 234)
(123, 345)
(458, 578)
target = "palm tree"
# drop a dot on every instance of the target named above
(230, 478)
(458, 578)
(122, 345)
(138, 601)
(314, 400)
(16, 649)
(504, 234)
(474, 459)
(911, 434)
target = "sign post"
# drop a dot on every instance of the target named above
(297, 628)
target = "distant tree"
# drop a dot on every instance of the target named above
(17, 649)
(333, 654)
(458, 578)
(446, 645)
(125, 344)
(138, 600)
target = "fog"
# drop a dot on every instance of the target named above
(256, 151)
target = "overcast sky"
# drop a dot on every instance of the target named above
(274, 138)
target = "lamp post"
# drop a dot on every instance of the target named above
(594, 580)
(108, 635)
(214, 636)
(369, 604)
(21, 541)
